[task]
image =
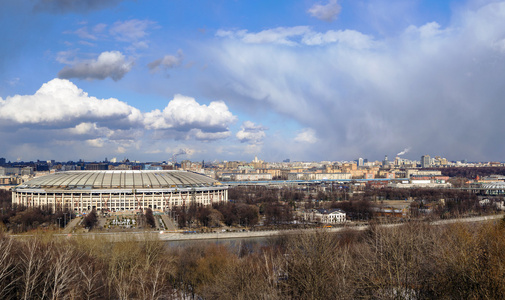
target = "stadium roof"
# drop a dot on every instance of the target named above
(119, 179)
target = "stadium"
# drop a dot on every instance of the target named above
(113, 191)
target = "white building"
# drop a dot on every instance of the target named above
(119, 190)
(327, 216)
(319, 176)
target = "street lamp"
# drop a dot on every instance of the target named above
(59, 224)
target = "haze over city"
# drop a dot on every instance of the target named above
(228, 80)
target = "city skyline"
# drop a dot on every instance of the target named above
(228, 80)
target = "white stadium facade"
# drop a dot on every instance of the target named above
(119, 190)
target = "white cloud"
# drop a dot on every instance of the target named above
(111, 64)
(178, 151)
(328, 12)
(97, 143)
(251, 133)
(307, 135)
(166, 62)
(61, 120)
(184, 113)
(279, 35)
(350, 38)
(59, 102)
(84, 34)
(120, 149)
(208, 136)
(66, 57)
(131, 30)
(291, 36)
(88, 128)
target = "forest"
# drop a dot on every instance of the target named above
(411, 261)
(470, 172)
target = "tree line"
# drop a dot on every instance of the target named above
(470, 172)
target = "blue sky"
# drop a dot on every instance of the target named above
(228, 80)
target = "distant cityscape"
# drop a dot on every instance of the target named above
(13, 173)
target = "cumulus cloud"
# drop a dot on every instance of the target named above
(327, 12)
(184, 113)
(59, 103)
(307, 135)
(72, 6)
(111, 64)
(251, 133)
(166, 62)
(61, 120)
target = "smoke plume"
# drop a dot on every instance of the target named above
(404, 151)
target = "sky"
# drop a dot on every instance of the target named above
(231, 79)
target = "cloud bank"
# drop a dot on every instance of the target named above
(59, 114)
(430, 86)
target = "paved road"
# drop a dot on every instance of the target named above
(253, 234)
(168, 223)
(179, 236)
(71, 225)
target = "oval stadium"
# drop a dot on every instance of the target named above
(119, 190)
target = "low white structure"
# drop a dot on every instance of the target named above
(327, 216)
(246, 176)
(319, 176)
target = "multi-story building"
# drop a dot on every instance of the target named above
(425, 161)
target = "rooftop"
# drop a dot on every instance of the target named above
(119, 179)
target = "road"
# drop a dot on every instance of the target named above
(180, 236)
(70, 226)
(255, 234)
(168, 223)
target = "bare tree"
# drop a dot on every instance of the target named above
(62, 272)
(397, 262)
(90, 281)
(33, 261)
(316, 267)
(7, 267)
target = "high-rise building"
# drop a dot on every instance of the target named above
(360, 162)
(385, 162)
(425, 161)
